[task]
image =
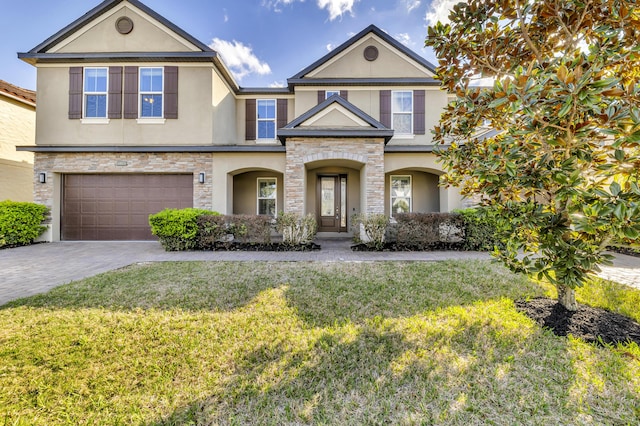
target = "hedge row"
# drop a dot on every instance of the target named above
(21, 223)
(470, 229)
(196, 229)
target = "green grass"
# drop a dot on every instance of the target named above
(307, 343)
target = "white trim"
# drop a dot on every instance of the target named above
(274, 119)
(151, 120)
(391, 192)
(85, 92)
(94, 120)
(275, 194)
(326, 93)
(410, 133)
(141, 93)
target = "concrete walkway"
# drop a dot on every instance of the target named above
(25, 271)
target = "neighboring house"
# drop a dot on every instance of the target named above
(17, 127)
(135, 115)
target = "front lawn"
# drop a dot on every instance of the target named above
(307, 343)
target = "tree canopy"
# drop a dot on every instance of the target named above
(563, 169)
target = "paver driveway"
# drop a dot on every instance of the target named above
(25, 271)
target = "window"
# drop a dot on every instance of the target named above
(330, 93)
(400, 194)
(267, 192)
(266, 119)
(151, 87)
(402, 112)
(95, 92)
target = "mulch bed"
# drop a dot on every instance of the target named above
(625, 250)
(236, 246)
(593, 325)
(399, 247)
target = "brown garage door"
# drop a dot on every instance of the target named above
(117, 206)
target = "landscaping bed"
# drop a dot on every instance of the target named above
(593, 325)
(276, 246)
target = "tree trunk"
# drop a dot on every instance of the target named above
(567, 297)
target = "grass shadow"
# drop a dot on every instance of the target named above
(322, 293)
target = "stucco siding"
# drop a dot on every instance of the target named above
(17, 127)
(147, 36)
(352, 64)
(194, 125)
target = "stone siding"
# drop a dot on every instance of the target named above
(367, 152)
(52, 163)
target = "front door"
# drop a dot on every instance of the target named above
(332, 203)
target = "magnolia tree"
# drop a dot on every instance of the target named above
(563, 170)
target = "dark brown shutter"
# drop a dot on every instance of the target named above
(130, 92)
(250, 120)
(170, 92)
(385, 108)
(282, 113)
(418, 112)
(75, 93)
(115, 92)
(344, 95)
(322, 96)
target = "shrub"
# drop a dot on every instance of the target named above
(370, 229)
(481, 230)
(428, 231)
(296, 230)
(21, 223)
(213, 230)
(250, 228)
(177, 229)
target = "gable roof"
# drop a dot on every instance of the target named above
(104, 7)
(18, 93)
(344, 46)
(373, 127)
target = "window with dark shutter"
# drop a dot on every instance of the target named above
(250, 120)
(75, 93)
(282, 113)
(130, 92)
(385, 108)
(115, 92)
(170, 92)
(418, 112)
(321, 96)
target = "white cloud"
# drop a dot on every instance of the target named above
(337, 8)
(411, 5)
(226, 16)
(404, 38)
(239, 58)
(330, 47)
(439, 11)
(277, 84)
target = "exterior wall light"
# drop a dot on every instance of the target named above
(201, 177)
(42, 177)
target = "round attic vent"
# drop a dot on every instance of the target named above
(371, 53)
(124, 25)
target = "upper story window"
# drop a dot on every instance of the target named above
(330, 93)
(402, 112)
(266, 118)
(95, 92)
(151, 92)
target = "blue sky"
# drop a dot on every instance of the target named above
(264, 42)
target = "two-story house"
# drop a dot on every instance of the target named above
(17, 127)
(135, 115)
